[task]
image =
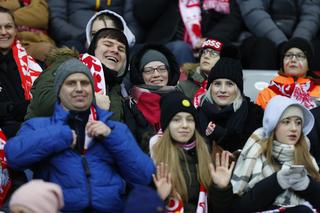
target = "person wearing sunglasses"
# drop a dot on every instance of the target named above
(154, 72)
(294, 79)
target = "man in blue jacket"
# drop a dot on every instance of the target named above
(80, 148)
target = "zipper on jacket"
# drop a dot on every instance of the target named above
(88, 174)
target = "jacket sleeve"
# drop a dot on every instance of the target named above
(220, 199)
(229, 27)
(147, 12)
(36, 14)
(309, 20)
(312, 193)
(132, 21)
(134, 165)
(259, 22)
(35, 143)
(260, 197)
(60, 28)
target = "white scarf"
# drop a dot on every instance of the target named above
(252, 167)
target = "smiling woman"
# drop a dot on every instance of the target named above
(8, 32)
(154, 72)
(225, 107)
(294, 76)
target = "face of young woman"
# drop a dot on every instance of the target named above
(288, 130)
(155, 73)
(295, 63)
(7, 32)
(182, 127)
(223, 91)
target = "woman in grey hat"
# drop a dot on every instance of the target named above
(154, 71)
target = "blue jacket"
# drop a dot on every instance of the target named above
(96, 179)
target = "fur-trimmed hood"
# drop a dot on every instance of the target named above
(136, 73)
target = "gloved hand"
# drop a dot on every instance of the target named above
(283, 177)
(301, 183)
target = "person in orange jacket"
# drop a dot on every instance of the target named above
(294, 79)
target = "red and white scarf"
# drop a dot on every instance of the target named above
(96, 70)
(5, 176)
(200, 91)
(176, 205)
(28, 68)
(92, 117)
(297, 91)
(190, 11)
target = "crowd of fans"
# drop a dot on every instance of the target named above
(139, 106)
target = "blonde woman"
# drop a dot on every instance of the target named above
(184, 176)
(275, 169)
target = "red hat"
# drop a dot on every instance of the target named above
(213, 44)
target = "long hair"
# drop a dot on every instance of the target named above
(167, 152)
(302, 155)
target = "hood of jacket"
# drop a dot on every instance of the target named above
(136, 73)
(130, 36)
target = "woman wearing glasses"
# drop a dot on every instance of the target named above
(154, 71)
(294, 76)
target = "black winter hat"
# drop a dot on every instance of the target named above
(173, 103)
(228, 68)
(301, 44)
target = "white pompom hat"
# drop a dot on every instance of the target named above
(276, 110)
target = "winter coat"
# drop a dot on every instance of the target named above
(314, 135)
(43, 94)
(91, 182)
(266, 94)
(13, 105)
(232, 128)
(32, 23)
(190, 86)
(137, 122)
(160, 19)
(259, 20)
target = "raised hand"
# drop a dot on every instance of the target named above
(97, 129)
(103, 101)
(162, 180)
(221, 172)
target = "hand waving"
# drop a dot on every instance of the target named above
(221, 172)
(162, 180)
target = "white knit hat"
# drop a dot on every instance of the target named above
(277, 107)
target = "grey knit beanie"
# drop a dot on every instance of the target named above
(152, 55)
(67, 68)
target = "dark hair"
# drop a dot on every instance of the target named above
(5, 10)
(108, 33)
(109, 16)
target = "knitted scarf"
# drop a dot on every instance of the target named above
(96, 70)
(252, 167)
(28, 68)
(299, 92)
(147, 99)
(190, 11)
(176, 205)
(6, 179)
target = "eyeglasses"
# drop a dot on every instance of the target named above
(151, 70)
(299, 56)
(211, 52)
